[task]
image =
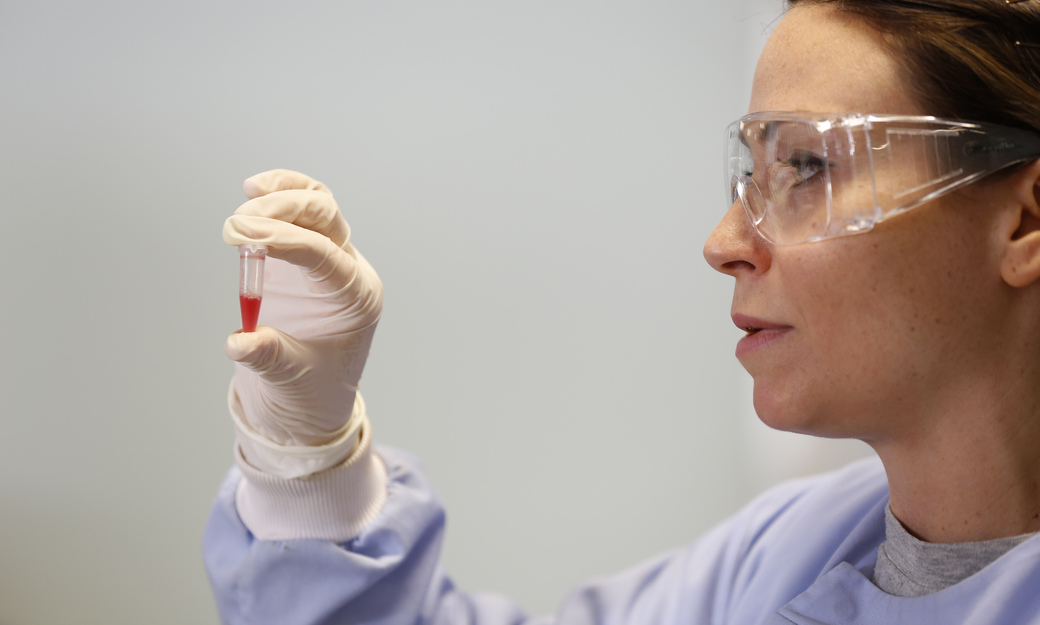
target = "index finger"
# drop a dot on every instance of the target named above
(280, 180)
(312, 210)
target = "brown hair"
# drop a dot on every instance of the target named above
(974, 60)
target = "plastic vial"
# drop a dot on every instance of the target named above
(251, 283)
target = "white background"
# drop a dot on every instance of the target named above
(533, 181)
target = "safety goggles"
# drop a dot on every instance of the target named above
(804, 179)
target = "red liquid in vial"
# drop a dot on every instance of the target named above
(250, 311)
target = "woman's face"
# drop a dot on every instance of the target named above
(859, 333)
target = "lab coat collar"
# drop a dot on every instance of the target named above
(1002, 592)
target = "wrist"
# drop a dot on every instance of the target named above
(336, 504)
(289, 461)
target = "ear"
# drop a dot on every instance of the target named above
(1020, 264)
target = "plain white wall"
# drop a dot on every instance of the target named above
(533, 181)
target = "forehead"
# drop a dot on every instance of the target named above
(821, 60)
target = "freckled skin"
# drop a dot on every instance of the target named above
(855, 301)
(862, 360)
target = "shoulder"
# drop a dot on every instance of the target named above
(843, 494)
(758, 560)
(786, 538)
(815, 515)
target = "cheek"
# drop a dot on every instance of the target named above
(856, 343)
(882, 320)
(900, 311)
(836, 293)
(875, 309)
(848, 332)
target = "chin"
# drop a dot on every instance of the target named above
(792, 413)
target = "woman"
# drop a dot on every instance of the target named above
(887, 271)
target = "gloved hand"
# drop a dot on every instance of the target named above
(293, 394)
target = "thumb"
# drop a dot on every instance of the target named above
(275, 356)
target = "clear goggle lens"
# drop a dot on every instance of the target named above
(806, 179)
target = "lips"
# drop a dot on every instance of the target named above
(760, 333)
(754, 324)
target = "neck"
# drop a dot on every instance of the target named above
(973, 472)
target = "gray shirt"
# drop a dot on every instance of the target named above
(908, 567)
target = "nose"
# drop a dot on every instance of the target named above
(734, 247)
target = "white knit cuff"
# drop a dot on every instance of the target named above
(292, 461)
(336, 504)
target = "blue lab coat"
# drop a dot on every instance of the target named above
(801, 553)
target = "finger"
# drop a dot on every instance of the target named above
(331, 267)
(313, 210)
(280, 180)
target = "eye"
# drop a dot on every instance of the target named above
(805, 166)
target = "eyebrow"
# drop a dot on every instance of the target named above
(767, 132)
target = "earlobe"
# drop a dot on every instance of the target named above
(1020, 265)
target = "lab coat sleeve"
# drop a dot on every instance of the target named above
(390, 573)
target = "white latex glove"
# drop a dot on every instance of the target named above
(294, 392)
